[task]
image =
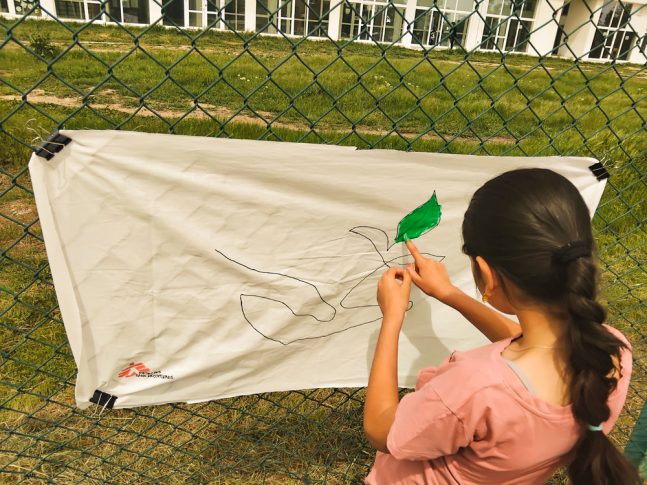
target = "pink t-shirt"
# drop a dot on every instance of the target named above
(472, 421)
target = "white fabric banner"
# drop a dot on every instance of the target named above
(191, 269)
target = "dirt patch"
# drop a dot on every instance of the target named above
(225, 115)
(5, 182)
(21, 210)
(121, 47)
(234, 48)
(44, 99)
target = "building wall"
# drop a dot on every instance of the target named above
(413, 23)
(579, 28)
(547, 15)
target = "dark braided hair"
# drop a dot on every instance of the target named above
(533, 227)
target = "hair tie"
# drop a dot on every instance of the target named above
(595, 428)
(572, 250)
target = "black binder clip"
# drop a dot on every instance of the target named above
(103, 399)
(54, 144)
(599, 171)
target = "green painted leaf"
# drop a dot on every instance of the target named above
(420, 220)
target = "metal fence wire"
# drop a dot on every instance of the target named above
(507, 77)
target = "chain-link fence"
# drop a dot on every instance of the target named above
(517, 77)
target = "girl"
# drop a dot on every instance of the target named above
(546, 392)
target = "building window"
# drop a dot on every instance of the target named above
(443, 23)
(128, 11)
(70, 9)
(173, 12)
(201, 13)
(234, 15)
(227, 15)
(613, 35)
(213, 14)
(299, 17)
(81, 9)
(318, 17)
(4, 6)
(267, 16)
(25, 7)
(377, 21)
(508, 25)
(293, 17)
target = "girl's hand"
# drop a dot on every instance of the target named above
(393, 292)
(430, 275)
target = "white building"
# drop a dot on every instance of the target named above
(586, 29)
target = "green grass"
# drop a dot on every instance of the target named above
(544, 109)
(306, 91)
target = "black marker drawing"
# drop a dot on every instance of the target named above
(264, 306)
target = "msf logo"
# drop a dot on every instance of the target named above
(134, 369)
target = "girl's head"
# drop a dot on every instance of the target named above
(529, 234)
(519, 221)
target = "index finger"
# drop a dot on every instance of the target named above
(418, 258)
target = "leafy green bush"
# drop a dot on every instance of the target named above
(42, 45)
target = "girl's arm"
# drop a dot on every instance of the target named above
(382, 393)
(432, 278)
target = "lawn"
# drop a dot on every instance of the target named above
(245, 86)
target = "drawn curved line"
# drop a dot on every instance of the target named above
(354, 230)
(287, 306)
(242, 307)
(386, 263)
(323, 300)
(389, 245)
(341, 303)
(286, 276)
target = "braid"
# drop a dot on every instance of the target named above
(591, 351)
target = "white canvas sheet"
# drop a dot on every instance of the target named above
(191, 269)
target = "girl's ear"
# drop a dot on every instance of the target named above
(488, 275)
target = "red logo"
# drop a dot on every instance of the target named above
(134, 369)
